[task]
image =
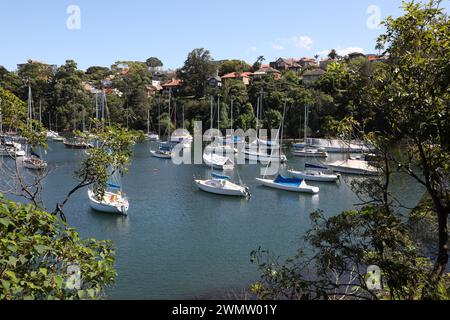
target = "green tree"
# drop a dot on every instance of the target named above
(154, 62)
(197, 68)
(229, 66)
(37, 252)
(414, 96)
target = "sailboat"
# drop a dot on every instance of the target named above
(303, 150)
(261, 150)
(287, 184)
(32, 161)
(314, 175)
(221, 185)
(213, 155)
(150, 136)
(114, 199)
(354, 166)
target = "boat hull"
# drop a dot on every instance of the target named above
(160, 155)
(314, 177)
(285, 187)
(107, 208)
(233, 190)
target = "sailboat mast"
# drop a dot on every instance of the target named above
(212, 106)
(159, 117)
(1, 117)
(170, 111)
(232, 101)
(218, 113)
(148, 121)
(306, 124)
(40, 111)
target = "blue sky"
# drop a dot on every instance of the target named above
(137, 29)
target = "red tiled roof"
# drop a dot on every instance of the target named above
(172, 83)
(235, 75)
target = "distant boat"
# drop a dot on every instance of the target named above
(314, 175)
(153, 137)
(289, 184)
(310, 152)
(164, 151)
(221, 185)
(217, 161)
(354, 166)
(337, 146)
(77, 144)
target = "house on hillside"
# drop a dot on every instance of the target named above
(311, 76)
(215, 81)
(245, 77)
(174, 85)
(267, 71)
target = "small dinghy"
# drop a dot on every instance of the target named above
(221, 185)
(314, 175)
(289, 184)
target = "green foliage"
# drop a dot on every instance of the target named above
(230, 66)
(197, 68)
(36, 251)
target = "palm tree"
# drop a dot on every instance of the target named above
(333, 55)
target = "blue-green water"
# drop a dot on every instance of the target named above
(179, 242)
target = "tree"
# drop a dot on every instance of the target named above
(39, 254)
(333, 55)
(230, 66)
(154, 62)
(197, 68)
(414, 96)
(257, 65)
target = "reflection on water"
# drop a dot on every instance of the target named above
(179, 242)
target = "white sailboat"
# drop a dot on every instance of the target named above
(302, 150)
(354, 166)
(216, 161)
(261, 150)
(213, 156)
(32, 161)
(314, 175)
(289, 184)
(221, 185)
(164, 151)
(114, 199)
(112, 202)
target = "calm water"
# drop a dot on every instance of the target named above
(179, 242)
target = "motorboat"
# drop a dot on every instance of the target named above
(289, 184)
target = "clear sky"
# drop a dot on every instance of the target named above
(138, 29)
